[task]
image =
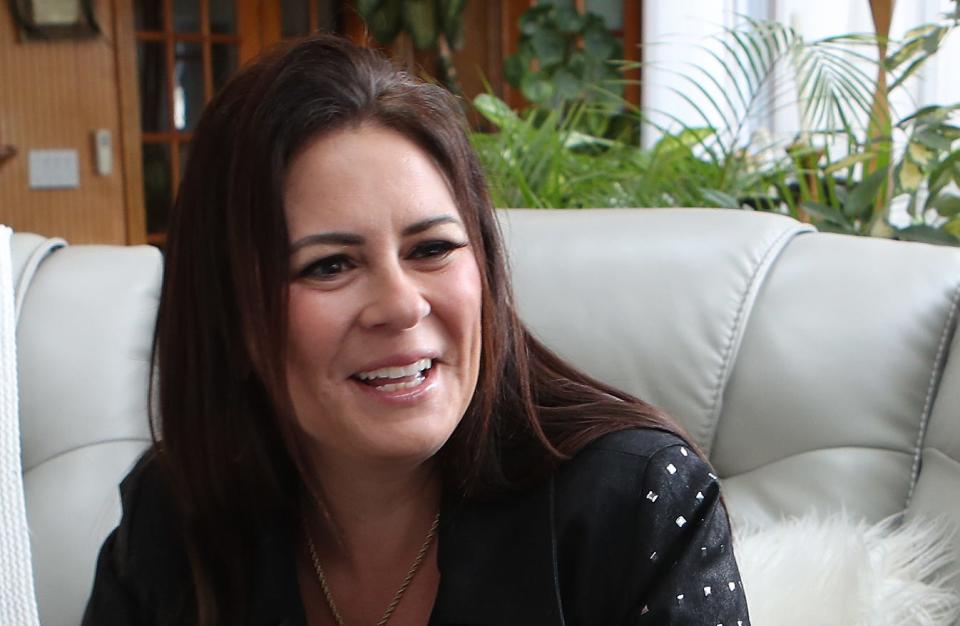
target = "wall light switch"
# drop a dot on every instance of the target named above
(53, 169)
(103, 151)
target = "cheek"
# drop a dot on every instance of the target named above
(311, 333)
(467, 298)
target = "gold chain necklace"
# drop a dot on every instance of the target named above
(395, 602)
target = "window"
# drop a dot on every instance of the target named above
(186, 50)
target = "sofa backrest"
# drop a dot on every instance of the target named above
(807, 365)
(818, 371)
(84, 332)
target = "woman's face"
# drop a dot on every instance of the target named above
(383, 347)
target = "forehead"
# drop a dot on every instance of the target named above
(362, 177)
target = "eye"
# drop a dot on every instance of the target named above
(437, 249)
(327, 268)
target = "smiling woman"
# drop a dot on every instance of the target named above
(352, 424)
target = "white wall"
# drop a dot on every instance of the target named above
(673, 31)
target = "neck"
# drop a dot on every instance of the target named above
(378, 514)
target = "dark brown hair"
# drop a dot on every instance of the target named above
(221, 432)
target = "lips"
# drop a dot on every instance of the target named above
(396, 378)
(396, 372)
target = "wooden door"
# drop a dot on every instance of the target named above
(186, 51)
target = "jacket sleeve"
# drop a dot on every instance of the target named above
(686, 540)
(112, 602)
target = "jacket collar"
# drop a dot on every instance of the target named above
(496, 564)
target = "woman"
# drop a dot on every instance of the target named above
(354, 427)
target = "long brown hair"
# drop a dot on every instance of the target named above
(222, 427)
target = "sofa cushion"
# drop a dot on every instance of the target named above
(83, 343)
(833, 385)
(652, 301)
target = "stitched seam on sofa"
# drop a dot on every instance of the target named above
(935, 374)
(44, 249)
(145, 440)
(737, 329)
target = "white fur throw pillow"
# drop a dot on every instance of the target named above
(837, 571)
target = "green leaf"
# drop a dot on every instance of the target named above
(930, 113)
(451, 20)
(566, 84)
(495, 110)
(420, 19)
(514, 68)
(927, 234)
(953, 227)
(933, 140)
(949, 131)
(848, 161)
(385, 22)
(720, 199)
(944, 172)
(909, 175)
(859, 202)
(568, 20)
(599, 43)
(536, 89)
(946, 204)
(366, 8)
(533, 18)
(550, 48)
(577, 139)
(824, 211)
(932, 41)
(919, 154)
(682, 141)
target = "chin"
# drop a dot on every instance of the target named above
(412, 447)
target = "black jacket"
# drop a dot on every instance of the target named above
(630, 531)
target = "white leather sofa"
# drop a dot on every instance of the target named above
(818, 371)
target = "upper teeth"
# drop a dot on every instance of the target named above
(397, 372)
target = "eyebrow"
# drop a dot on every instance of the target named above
(351, 239)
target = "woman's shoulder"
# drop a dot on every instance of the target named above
(628, 453)
(148, 547)
(149, 506)
(143, 562)
(627, 507)
(625, 472)
(635, 442)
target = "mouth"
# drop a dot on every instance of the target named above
(396, 379)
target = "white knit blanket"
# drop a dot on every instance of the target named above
(18, 605)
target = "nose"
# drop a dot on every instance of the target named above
(396, 301)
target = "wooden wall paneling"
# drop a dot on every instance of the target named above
(271, 22)
(510, 13)
(259, 24)
(170, 53)
(206, 51)
(54, 95)
(129, 137)
(493, 36)
(352, 24)
(313, 15)
(248, 25)
(632, 50)
(479, 60)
